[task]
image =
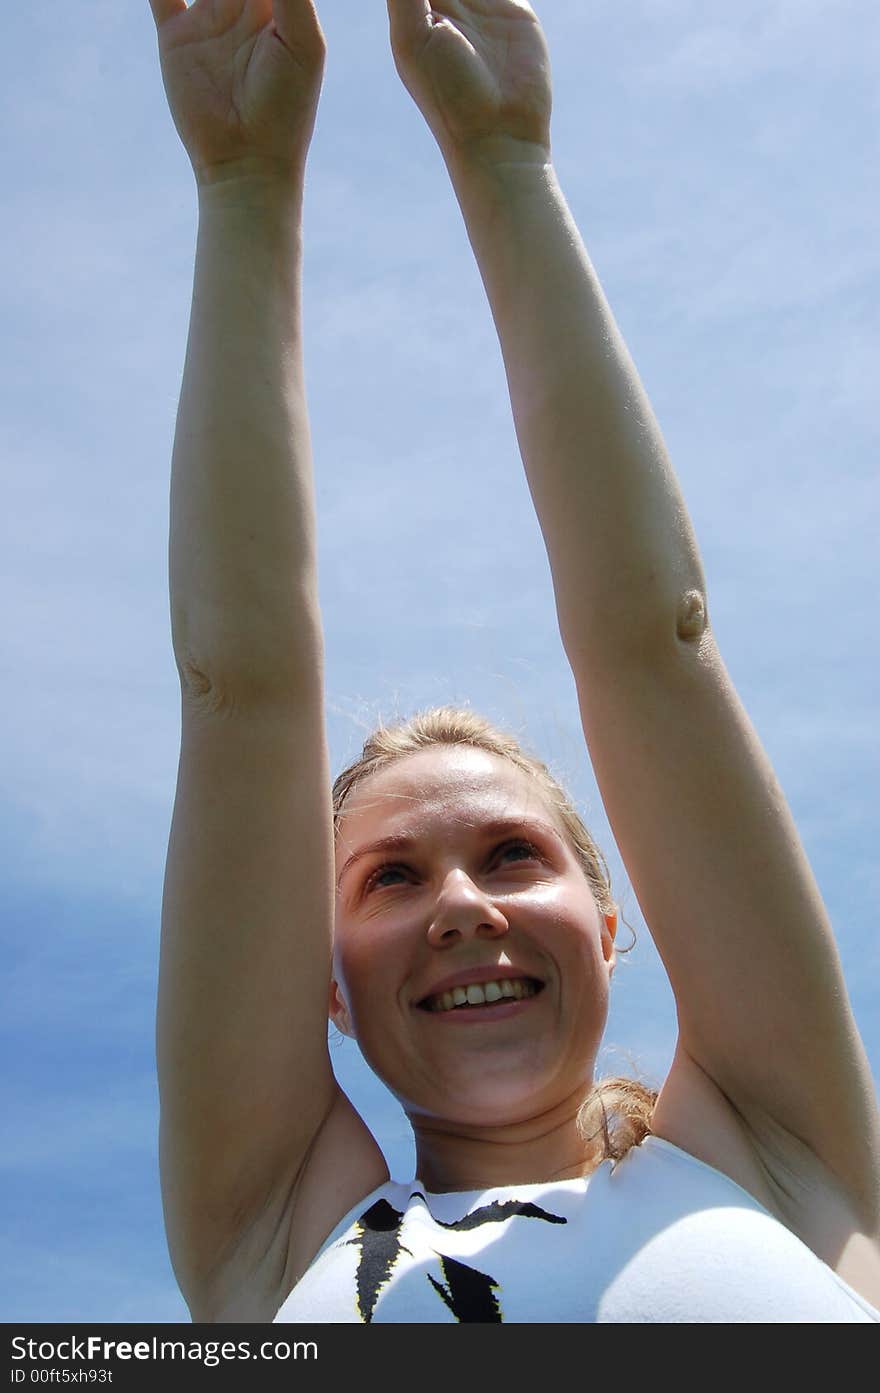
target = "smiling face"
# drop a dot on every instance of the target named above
(465, 902)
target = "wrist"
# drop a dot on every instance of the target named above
(493, 180)
(251, 183)
(493, 192)
(495, 156)
(257, 223)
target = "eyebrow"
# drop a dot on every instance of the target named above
(405, 841)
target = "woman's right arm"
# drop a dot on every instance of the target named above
(250, 1111)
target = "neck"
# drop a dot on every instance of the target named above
(453, 1156)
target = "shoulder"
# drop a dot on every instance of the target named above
(773, 1167)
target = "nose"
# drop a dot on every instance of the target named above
(462, 913)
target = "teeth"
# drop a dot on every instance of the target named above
(477, 994)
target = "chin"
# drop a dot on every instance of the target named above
(494, 1103)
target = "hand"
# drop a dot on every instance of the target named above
(479, 72)
(243, 78)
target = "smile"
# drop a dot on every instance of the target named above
(482, 994)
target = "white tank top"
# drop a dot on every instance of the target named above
(658, 1237)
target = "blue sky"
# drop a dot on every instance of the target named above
(719, 161)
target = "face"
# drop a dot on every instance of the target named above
(467, 902)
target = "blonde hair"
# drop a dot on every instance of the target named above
(616, 1114)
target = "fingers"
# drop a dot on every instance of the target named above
(409, 20)
(163, 10)
(297, 24)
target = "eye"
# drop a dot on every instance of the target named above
(520, 846)
(398, 869)
(379, 872)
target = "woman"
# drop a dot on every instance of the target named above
(449, 896)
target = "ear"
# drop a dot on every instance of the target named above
(338, 1010)
(609, 933)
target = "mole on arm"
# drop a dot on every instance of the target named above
(690, 619)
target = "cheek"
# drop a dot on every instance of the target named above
(368, 968)
(364, 959)
(577, 949)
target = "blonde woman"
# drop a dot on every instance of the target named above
(444, 896)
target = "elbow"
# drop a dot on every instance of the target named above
(675, 628)
(691, 617)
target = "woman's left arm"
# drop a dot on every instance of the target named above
(698, 815)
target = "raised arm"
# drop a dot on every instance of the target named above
(622, 553)
(246, 1087)
(700, 820)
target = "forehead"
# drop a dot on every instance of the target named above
(441, 788)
